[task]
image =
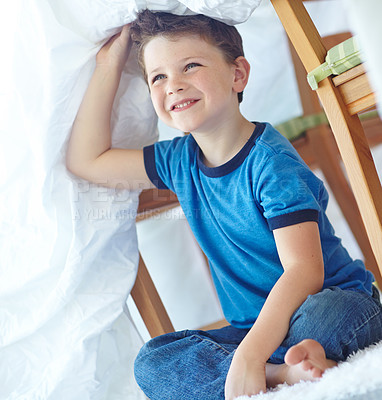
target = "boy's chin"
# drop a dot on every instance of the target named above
(179, 127)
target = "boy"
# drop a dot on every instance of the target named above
(296, 302)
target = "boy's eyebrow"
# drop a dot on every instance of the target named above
(182, 61)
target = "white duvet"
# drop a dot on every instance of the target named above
(68, 249)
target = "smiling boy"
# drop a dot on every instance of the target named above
(296, 302)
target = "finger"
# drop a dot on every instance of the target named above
(111, 40)
(126, 30)
(125, 35)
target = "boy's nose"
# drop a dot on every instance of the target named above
(175, 85)
(174, 89)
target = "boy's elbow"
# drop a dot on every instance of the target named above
(75, 167)
(318, 277)
(71, 165)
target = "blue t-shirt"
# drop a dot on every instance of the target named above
(232, 210)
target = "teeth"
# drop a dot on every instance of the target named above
(184, 104)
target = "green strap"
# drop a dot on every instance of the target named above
(296, 127)
(339, 59)
(318, 74)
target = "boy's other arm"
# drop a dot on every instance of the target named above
(300, 253)
(90, 155)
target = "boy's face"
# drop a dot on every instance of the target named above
(191, 84)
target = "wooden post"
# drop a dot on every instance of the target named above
(149, 304)
(347, 129)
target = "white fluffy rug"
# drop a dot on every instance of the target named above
(359, 378)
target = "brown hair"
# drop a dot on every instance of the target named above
(149, 25)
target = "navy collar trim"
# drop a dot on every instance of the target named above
(233, 163)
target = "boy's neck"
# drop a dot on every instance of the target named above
(222, 144)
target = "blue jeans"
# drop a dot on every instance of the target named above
(194, 364)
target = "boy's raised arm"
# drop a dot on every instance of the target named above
(89, 152)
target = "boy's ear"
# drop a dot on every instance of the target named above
(241, 77)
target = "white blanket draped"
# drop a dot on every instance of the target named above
(68, 248)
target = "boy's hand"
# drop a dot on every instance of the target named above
(115, 51)
(245, 377)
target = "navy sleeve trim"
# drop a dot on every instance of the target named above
(292, 218)
(151, 170)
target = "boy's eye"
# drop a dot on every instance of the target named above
(191, 65)
(158, 78)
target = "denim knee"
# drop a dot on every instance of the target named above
(186, 365)
(142, 365)
(342, 321)
(149, 360)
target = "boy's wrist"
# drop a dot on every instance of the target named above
(108, 79)
(109, 70)
(252, 353)
(256, 347)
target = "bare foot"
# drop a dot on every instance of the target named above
(306, 361)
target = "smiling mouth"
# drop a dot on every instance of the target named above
(184, 105)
